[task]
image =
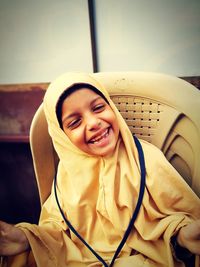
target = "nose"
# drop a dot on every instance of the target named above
(93, 123)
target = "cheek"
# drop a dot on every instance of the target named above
(113, 120)
(76, 137)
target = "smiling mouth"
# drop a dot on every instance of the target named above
(99, 138)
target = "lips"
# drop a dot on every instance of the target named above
(97, 138)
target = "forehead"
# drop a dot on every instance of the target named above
(80, 96)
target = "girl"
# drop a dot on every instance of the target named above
(97, 188)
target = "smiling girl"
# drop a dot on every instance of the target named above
(98, 184)
(88, 120)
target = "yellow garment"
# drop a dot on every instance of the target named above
(98, 196)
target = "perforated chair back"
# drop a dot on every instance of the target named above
(159, 108)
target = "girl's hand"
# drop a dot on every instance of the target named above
(189, 237)
(12, 240)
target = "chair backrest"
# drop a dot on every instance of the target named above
(159, 108)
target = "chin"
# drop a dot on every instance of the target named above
(106, 152)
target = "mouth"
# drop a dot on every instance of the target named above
(100, 138)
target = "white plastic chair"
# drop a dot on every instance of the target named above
(159, 108)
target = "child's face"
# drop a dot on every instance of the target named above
(90, 123)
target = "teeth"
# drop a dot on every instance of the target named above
(97, 139)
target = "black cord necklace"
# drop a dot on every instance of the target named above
(131, 223)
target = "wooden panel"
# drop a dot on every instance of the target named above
(18, 104)
(195, 80)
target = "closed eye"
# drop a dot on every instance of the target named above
(74, 123)
(98, 108)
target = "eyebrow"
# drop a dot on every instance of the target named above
(73, 114)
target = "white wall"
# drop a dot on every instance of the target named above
(149, 35)
(40, 39)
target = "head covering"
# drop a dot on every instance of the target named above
(88, 174)
(52, 96)
(98, 196)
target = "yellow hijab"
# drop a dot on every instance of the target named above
(98, 196)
